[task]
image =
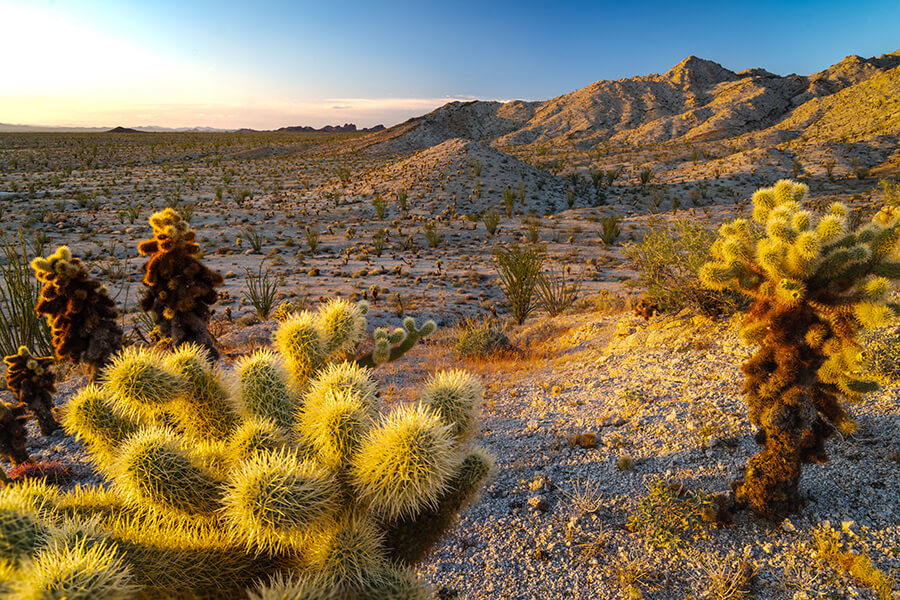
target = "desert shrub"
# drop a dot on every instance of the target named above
(609, 229)
(519, 269)
(481, 338)
(287, 469)
(312, 238)
(668, 261)
(261, 290)
(668, 512)
(19, 292)
(815, 285)
(380, 206)
(432, 234)
(491, 219)
(556, 294)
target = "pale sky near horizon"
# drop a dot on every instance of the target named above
(267, 64)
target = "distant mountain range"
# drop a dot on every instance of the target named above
(346, 127)
(697, 100)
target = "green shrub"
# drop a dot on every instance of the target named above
(668, 261)
(609, 229)
(519, 269)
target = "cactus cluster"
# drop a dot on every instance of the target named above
(814, 284)
(13, 434)
(33, 381)
(180, 289)
(284, 478)
(81, 315)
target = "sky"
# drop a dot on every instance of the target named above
(267, 64)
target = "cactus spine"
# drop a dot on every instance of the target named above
(814, 285)
(290, 470)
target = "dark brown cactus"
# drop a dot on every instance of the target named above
(13, 433)
(180, 289)
(33, 381)
(81, 314)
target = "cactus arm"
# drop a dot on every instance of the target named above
(379, 355)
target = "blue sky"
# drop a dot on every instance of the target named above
(266, 64)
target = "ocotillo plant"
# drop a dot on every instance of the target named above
(291, 472)
(814, 285)
(33, 381)
(81, 314)
(180, 289)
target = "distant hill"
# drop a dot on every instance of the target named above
(346, 127)
(123, 130)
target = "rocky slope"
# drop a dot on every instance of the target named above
(696, 100)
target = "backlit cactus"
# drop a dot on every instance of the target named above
(180, 289)
(13, 434)
(81, 315)
(33, 381)
(275, 471)
(814, 285)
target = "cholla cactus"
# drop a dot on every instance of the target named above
(814, 285)
(33, 381)
(13, 434)
(81, 314)
(180, 287)
(309, 482)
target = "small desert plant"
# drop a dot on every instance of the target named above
(480, 338)
(891, 190)
(668, 512)
(491, 219)
(609, 229)
(402, 197)
(378, 241)
(814, 284)
(312, 238)
(645, 175)
(261, 291)
(519, 269)
(570, 197)
(829, 168)
(533, 230)
(380, 206)
(254, 237)
(432, 234)
(19, 292)
(509, 199)
(668, 261)
(842, 552)
(555, 294)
